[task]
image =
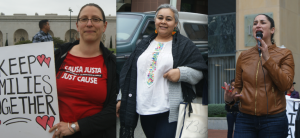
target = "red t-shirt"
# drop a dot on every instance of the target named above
(81, 87)
(289, 94)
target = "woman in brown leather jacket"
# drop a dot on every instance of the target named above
(260, 84)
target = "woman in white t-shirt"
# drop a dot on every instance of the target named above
(152, 78)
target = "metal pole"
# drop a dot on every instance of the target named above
(70, 22)
(70, 25)
(6, 44)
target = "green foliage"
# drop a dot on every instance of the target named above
(23, 42)
(6, 43)
(216, 110)
(57, 42)
(112, 49)
(110, 43)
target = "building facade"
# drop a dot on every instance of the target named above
(222, 47)
(196, 6)
(230, 33)
(20, 27)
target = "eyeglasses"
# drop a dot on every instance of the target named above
(94, 20)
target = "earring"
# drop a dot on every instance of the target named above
(174, 31)
(155, 31)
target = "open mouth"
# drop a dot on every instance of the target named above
(162, 27)
(259, 31)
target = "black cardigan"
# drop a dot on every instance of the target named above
(184, 52)
(102, 124)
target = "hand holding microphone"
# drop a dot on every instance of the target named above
(259, 35)
(262, 46)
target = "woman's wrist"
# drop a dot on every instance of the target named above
(229, 102)
(77, 126)
(266, 57)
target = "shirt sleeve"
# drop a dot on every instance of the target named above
(282, 75)
(35, 39)
(190, 75)
(119, 96)
(238, 75)
(50, 38)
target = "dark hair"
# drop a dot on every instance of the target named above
(233, 80)
(95, 5)
(42, 23)
(272, 25)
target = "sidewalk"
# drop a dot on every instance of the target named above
(217, 133)
(212, 133)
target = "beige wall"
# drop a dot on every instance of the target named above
(247, 7)
(290, 32)
(286, 14)
(59, 25)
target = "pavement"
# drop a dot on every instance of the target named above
(212, 133)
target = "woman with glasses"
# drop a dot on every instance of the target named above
(157, 76)
(85, 72)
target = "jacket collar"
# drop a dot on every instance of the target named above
(272, 46)
(269, 47)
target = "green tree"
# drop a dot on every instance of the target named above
(23, 42)
(6, 42)
(111, 47)
(110, 43)
(57, 42)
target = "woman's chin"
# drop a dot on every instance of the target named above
(164, 33)
(90, 39)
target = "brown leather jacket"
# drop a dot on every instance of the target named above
(249, 81)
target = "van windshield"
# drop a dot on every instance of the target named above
(126, 26)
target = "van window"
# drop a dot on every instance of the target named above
(150, 28)
(126, 26)
(196, 32)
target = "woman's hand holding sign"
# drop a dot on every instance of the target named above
(63, 129)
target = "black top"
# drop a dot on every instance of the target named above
(232, 108)
(102, 124)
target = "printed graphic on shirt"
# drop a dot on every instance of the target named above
(152, 67)
(80, 74)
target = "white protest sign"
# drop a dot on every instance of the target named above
(292, 106)
(28, 95)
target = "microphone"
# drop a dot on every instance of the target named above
(260, 35)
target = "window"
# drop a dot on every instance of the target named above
(150, 28)
(126, 26)
(221, 69)
(196, 32)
